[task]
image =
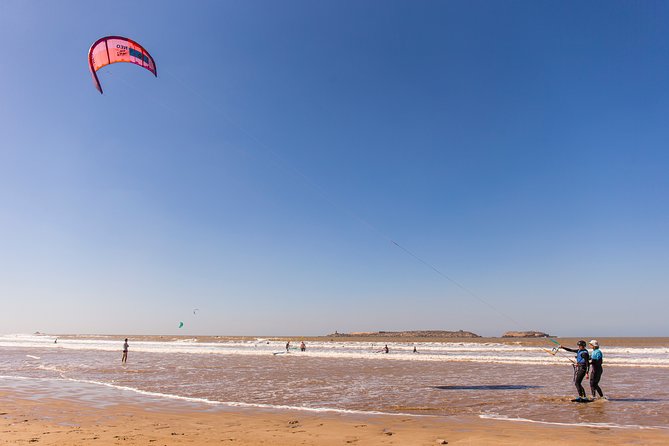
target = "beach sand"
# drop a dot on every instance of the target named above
(60, 421)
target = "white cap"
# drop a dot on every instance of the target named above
(594, 343)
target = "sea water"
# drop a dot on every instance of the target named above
(503, 380)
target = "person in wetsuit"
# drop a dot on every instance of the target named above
(596, 369)
(124, 358)
(580, 367)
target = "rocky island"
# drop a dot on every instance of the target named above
(407, 334)
(525, 334)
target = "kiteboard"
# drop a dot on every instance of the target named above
(582, 400)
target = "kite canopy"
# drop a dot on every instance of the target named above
(112, 49)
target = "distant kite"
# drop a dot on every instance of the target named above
(181, 324)
(195, 310)
(112, 49)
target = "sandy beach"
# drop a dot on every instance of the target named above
(62, 422)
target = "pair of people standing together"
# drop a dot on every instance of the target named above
(587, 363)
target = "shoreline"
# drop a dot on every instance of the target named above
(64, 421)
(327, 394)
(32, 413)
(102, 395)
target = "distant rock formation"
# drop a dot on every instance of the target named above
(408, 334)
(525, 334)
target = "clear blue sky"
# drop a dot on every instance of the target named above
(519, 148)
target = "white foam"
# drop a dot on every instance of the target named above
(497, 353)
(555, 423)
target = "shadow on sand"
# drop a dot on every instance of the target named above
(488, 387)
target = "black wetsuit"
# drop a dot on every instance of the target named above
(596, 373)
(580, 369)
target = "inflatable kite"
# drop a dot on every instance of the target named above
(112, 49)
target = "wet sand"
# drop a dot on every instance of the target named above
(60, 421)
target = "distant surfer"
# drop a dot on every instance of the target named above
(386, 349)
(414, 349)
(124, 358)
(596, 370)
(580, 367)
(303, 346)
(287, 346)
(55, 341)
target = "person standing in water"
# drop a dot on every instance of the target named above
(303, 346)
(581, 367)
(386, 349)
(596, 360)
(124, 358)
(287, 346)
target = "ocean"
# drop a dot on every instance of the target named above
(514, 380)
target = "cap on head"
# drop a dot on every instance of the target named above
(594, 343)
(581, 343)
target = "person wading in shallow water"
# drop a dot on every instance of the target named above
(581, 367)
(596, 370)
(124, 358)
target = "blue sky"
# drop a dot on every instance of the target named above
(519, 148)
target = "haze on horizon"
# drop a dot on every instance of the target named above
(301, 168)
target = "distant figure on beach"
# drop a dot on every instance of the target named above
(580, 367)
(414, 349)
(596, 359)
(55, 341)
(386, 349)
(287, 346)
(303, 346)
(124, 358)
